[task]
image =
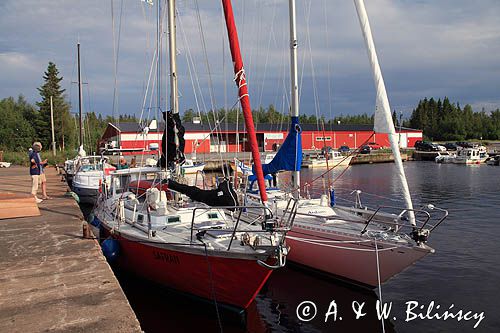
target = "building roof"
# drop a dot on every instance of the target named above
(191, 127)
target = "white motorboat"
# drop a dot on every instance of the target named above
(190, 167)
(334, 159)
(89, 174)
(445, 158)
(494, 160)
(474, 155)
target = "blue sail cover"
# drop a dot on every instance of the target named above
(289, 156)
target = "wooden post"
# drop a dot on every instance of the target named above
(52, 124)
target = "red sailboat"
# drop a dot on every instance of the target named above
(201, 242)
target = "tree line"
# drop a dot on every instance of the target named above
(446, 121)
(270, 115)
(22, 123)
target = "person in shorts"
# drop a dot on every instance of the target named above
(37, 173)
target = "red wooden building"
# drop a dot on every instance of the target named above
(201, 139)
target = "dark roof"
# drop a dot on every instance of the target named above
(191, 127)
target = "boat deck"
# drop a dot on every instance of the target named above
(173, 229)
(52, 278)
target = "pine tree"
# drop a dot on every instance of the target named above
(63, 125)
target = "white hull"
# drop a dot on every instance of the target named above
(349, 257)
(192, 169)
(468, 161)
(471, 156)
(331, 240)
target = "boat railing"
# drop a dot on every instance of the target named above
(422, 218)
(283, 225)
(202, 176)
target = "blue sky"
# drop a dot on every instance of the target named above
(426, 48)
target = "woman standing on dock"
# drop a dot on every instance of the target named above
(36, 172)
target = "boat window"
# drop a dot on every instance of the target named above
(86, 168)
(173, 219)
(213, 216)
(140, 218)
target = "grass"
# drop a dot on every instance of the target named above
(21, 157)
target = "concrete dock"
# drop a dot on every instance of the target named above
(52, 279)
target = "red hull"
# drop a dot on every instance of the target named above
(235, 281)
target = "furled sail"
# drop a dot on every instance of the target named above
(383, 117)
(173, 140)
(289, 156)
(223, 195)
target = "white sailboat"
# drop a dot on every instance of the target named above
(364, 246)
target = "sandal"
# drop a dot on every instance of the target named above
(46, 198)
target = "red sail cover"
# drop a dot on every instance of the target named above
(243, 94)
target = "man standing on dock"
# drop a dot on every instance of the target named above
(36, 172)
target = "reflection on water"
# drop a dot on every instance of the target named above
(464, 271)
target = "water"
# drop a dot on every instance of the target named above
(464, 271)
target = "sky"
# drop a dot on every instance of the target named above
(426, 48)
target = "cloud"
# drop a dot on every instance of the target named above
(426, 48)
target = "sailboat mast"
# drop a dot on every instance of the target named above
(383, 116)
(240, 79)
(294, 112)
(174, 101)
(80, 96)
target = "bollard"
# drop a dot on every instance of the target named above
(86, 232)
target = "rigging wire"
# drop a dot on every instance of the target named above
(215, 116)
(207, 63)
(313, 73)
(328, 70)
(116, 50)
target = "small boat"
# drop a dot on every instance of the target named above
(190, 167)
(90, 172)
(494, 160)
(445, 158)
(474, 155)
(334, 159)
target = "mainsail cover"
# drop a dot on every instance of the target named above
(223, 195)
(173, 139)
(289, 156)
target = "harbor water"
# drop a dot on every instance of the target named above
(460, 279)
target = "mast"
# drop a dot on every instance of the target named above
(174, 101)
(80, 97)
(240, 79)
(294, 112)
(383, 117)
